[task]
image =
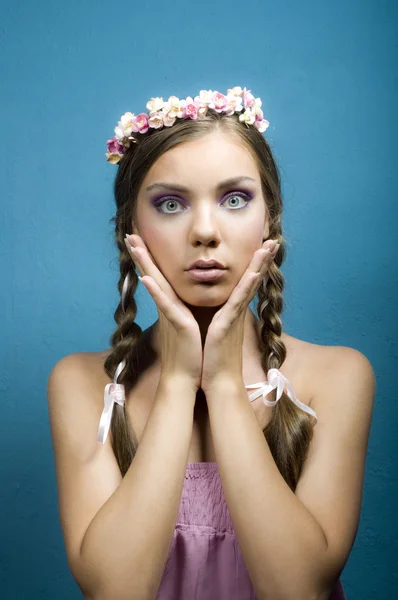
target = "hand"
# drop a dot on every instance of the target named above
(222, 353)
(181, 343)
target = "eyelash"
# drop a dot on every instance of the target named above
(159, 202)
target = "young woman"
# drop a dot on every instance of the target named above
(234, 464)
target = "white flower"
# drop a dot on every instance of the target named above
(247, 117)
(234, 104)
(173, 107)
(156, 120)
(235, 91)
(154, 105)
(124, 126)
(204, 98)
(119, 133)
(168, 119)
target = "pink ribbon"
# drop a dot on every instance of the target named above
(114, 392)
(276, 380)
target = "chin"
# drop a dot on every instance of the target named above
(205, 303)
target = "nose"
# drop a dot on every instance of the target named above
(206, 221)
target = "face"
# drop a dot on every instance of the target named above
(206, 220)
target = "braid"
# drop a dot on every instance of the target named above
(289, 431)
(123, 342)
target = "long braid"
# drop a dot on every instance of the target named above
(290, 430)
(124, 341)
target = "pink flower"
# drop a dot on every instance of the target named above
(219, 102)
(258, 113)
(190, 109)
(114, 147)
(140, 123)
(248, 98)
(261, 125)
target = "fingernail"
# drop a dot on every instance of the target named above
(128, 238)
(130, 248)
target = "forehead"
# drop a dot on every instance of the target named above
(211, 158)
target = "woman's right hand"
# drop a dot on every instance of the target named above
(181, 343)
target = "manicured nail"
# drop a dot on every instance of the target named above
(130, 248)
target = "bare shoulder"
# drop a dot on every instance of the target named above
(90, 364)
(334, 363)
(321, 357)
(75, 392)
(342, 376)
(330, 366)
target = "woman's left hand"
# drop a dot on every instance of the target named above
(222, 353)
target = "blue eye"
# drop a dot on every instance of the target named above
(170, 199)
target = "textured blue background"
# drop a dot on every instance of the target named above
(327, 74)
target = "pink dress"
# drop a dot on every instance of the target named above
(204, 561)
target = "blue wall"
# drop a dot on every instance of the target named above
(327, 75)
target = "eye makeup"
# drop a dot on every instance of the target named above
(161, 198)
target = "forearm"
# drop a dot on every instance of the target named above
(128, 541)
(281, 543)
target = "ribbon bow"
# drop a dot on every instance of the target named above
(114, 392)
(276, 380)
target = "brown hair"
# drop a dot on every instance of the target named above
(290, 429)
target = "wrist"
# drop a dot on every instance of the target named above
(224, 385)
(178, 386)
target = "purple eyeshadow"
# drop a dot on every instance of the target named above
(159, 198)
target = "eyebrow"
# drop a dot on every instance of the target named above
(175, 186)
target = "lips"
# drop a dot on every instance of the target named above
(206, 275)
(206, 264)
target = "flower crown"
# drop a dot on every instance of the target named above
(164, 114)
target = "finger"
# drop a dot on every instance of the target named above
(135, 258)
(146, 265)
(260, 267)
(239, 299)
(163, 302)
(268, 259)
(245, 291)
(263, 270)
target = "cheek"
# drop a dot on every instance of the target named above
(252, 239)
(159, 246)
(152, 236)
